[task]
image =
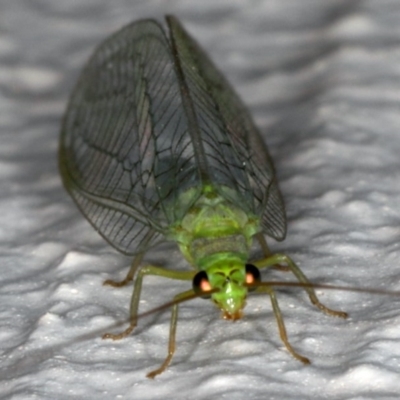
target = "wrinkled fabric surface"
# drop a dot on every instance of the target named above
(322, 81)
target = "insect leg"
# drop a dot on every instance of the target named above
(135, 264)
(267, 252)
(281, 325)
(132, 270)
(172, 336)
(146, 270)
(282, 258)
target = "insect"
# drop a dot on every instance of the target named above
(156, 145)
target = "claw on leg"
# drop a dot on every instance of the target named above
(327, 310)
(110, 282)
(164, 365)
(121, 335)
(129, 277)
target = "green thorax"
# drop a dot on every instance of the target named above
(214, 231)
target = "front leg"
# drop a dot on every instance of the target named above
(172, 335)
(282, 258)
(137, 290)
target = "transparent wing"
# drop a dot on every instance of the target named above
(125, 152)
(237, 159)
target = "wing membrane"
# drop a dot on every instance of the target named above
(125, 154)
(151, 120)
(234, 149)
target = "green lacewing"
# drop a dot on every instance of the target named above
(156, 145)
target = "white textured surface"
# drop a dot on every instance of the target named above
(322, 79)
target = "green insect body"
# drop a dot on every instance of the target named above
(216, 237)
(156, 145)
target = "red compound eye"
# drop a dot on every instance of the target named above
(252, 275)
(201, 285)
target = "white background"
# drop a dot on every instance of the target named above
(322, 79)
